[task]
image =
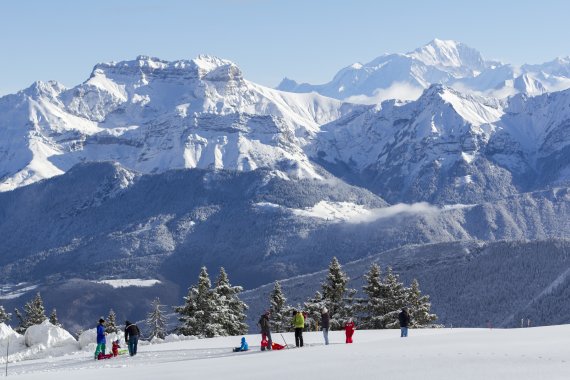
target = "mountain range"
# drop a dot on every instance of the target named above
(150, 169)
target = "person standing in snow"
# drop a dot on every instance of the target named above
(349, 328)
(265, 329)
(101, 340)
(325, 323)
(404, 318)
(299, 324)
(132, 333)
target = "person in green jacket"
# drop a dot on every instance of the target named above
(299, 324)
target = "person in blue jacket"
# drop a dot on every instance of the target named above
(244, 346)
(101, 341)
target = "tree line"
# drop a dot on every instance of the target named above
(217, 311)
(383, 299)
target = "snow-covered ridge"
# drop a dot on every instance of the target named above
(152, 115)
(403, 76)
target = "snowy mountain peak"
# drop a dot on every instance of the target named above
(202, 67)
(449, 54)
(50, 89)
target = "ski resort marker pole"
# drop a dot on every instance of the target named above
(7, 350)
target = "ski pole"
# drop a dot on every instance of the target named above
(284, 341)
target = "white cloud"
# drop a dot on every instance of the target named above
(399, 90)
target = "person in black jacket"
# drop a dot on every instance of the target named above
(325, 323)
(132, 333)
(404, 318)
(265, 330)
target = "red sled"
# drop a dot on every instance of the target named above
(277, 346)
(102, 356)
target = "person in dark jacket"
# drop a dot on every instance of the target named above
(404, 318)
(325, 323)
(265, 330)
(101, 340)
(132, 333)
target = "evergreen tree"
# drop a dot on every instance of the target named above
(337, 297)
(4, 316)
(280, 311)
(419, 306)
(231, 316)
(200, 313)
(314, 307)
(35, 311)
(111, 323)
(156, 320)
(21, 322)
(374, 306)
(395, 300)
(53, 318)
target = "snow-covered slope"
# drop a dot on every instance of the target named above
(152, 115)
(439, 354)
(448, 147)
(404, 76)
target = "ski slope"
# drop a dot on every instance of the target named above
(530, 353)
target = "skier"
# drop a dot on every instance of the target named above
(325, 323)
(101, 341)
(299, 324)
(349, 330)
(243, 347)
(132, 333)
(265, 330)
(404, 318)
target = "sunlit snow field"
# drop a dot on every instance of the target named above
(530, 353)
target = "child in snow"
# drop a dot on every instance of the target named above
(349, 330)
(244, 346)
(116, 347)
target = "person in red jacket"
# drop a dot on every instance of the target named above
(349, 330)
(116, 347)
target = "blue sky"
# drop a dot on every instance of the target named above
(306, 40)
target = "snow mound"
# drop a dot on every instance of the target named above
(39, 341)
(48, 335)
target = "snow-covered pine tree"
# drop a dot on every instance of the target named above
(196, 313)
(280, 312)
(395, 300)
(232, 315)
(35, 311)
(337, 297)
(314, 307)
(373, 307)
(53, 318)
(419, 306)
(4, 315)
(156, 321)
(21, 322)
(111, 323)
